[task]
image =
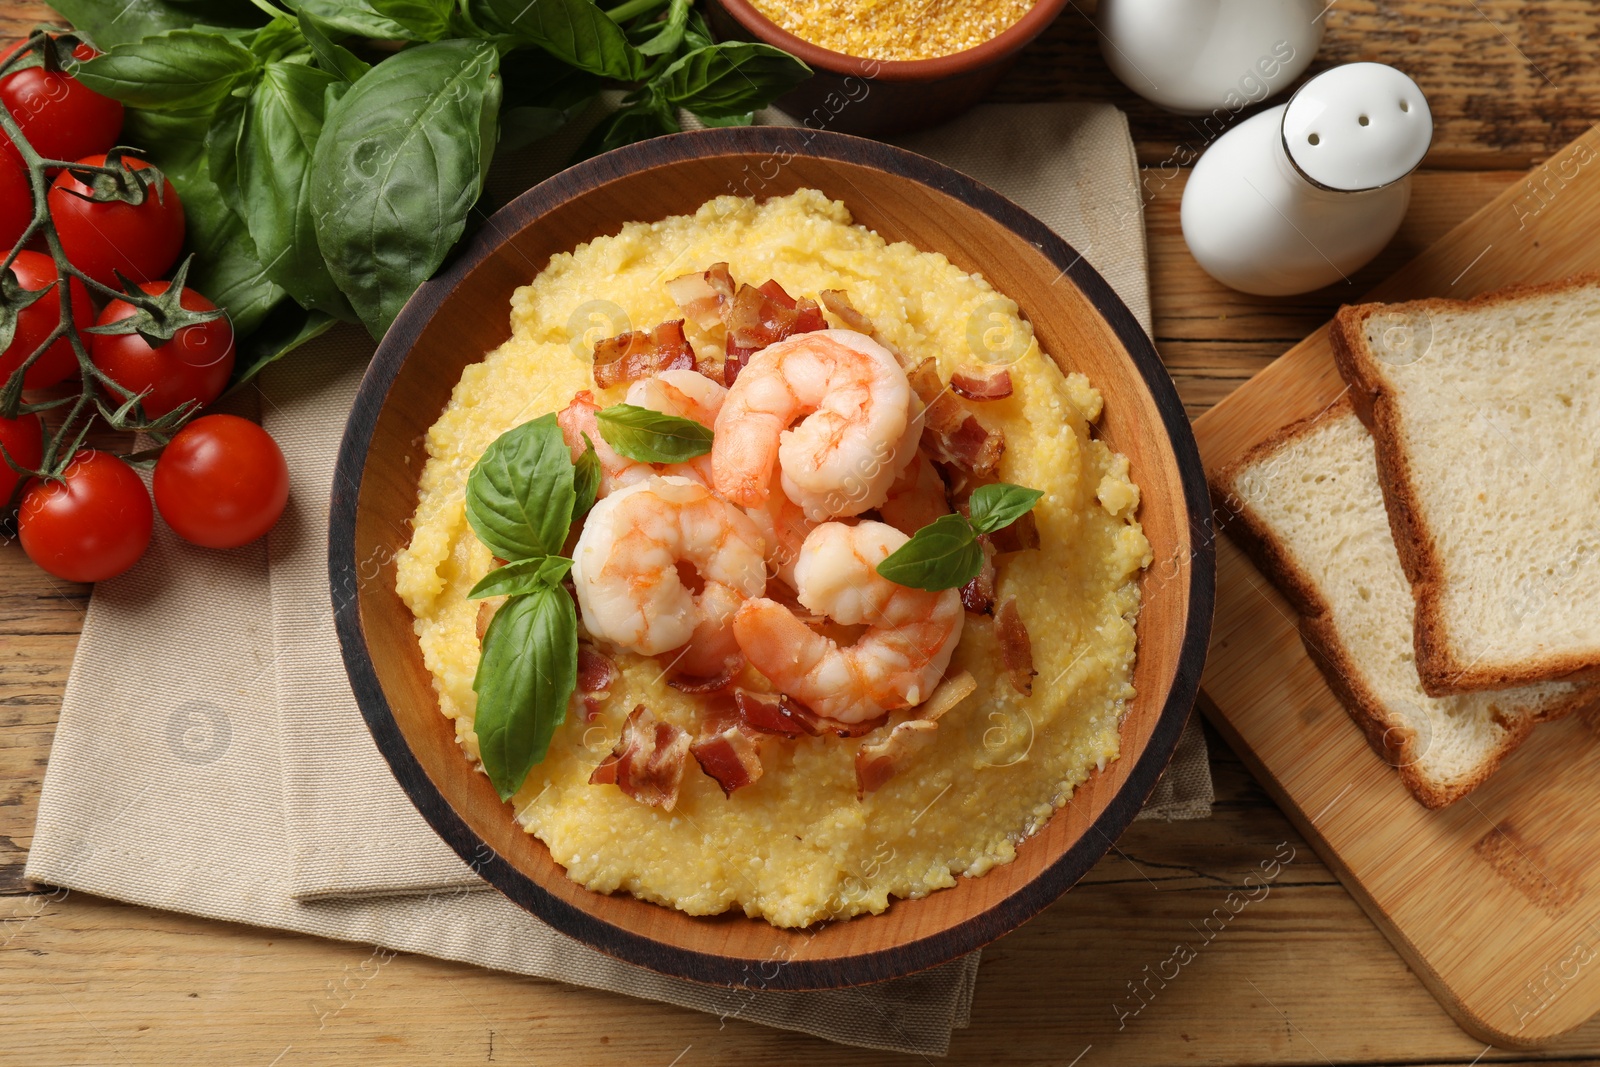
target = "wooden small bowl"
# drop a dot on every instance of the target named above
(879, 98)
(462, 314)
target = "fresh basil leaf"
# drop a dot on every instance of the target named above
(521, 576)
(526, 675)
(276, 40)
(520, 493)
(429, 20)
(729, 79)
(667, 35)
(400, 163)
(108, 24)
(222, 150)
(636, 123)
(176, 70)
(585, 480)
(331, 57)
(744, 118)
(282, 121)
(225, 267)
(574, 31)
(357, 18)
(944, 554)
(286, 327)
(651, 437)
(697, 34)
(994, 507)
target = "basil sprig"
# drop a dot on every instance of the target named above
(523, 495)
(945, 554)
(651, 437)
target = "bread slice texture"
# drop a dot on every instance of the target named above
(1486, 415)
(1307, 507)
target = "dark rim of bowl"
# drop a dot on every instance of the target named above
(1008, 41)
(794, 974)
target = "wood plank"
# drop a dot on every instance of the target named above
(1492, 940)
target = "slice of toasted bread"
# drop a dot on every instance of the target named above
(1486, 415)
(1307, 507)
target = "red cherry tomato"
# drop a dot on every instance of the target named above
(194, 365)
(16, 198)
(23, 438)
(35, 271)
(60, 116)
(142, 241)
(92, 525)
(221, 482)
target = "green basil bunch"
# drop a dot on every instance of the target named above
(330, 152)
(945, 554)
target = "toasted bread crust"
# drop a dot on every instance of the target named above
(1394, 744)
(1443, 669)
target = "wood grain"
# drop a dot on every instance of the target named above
(1484, 898)
(90, 981)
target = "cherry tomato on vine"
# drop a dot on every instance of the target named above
(91, 525)
(60, 116)
(35, 271)
(140, 240)
(16, 198)
(23, 438)
(221, 482)
(194, 365)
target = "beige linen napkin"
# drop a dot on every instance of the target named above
(245, 786)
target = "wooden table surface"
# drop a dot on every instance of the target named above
(1299, 977)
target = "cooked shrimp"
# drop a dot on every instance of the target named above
(688, 394)
(629, 571)
(896, 662)
(685, 393)
(830, 410)
(577, 420)
(916, 497)
(784, 527)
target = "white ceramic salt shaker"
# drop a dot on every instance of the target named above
(1306, 193)
(1197, 56)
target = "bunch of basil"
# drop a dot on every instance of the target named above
(329, 152)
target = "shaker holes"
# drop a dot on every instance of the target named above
(1405, 105)
(1364, 120)
(1313, 139)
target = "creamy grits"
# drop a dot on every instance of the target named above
(797, 846)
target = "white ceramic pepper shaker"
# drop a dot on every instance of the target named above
(1306, 193)
(1197, 56)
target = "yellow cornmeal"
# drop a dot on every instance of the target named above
(895, 29)
(797, 846)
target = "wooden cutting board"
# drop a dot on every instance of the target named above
(1495, 901)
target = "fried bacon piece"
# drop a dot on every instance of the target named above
(838, 302)
(731, 756)
(639, 354)
(770, 713)
(647, 762)
(702, 296)
(595, 675)
(1019, 536)
(977, 596)
(950, 433)
(762, 316)
(486, 610)
(1016, 647)
(684, 683)
(981, 382)
(880, 760)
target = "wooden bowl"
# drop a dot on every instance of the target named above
(878, 98)
(462, 314)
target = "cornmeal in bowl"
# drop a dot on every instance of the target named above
(762, 719)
